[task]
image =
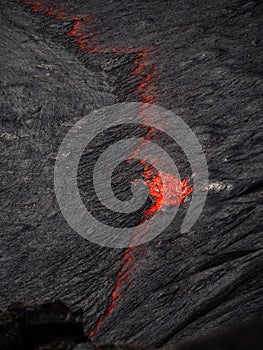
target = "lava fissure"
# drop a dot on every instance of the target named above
(146, 90)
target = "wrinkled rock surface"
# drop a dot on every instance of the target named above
(208, 55)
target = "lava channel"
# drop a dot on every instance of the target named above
(146, 92)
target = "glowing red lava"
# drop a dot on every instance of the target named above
(123, 281)
(146, 90)
(178, 191)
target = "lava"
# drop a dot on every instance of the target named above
(178, 191)
(123, 281)
(146, 91)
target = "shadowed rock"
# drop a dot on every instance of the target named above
(45, 326)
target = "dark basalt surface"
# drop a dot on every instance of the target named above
(52, 326)
(208, 56)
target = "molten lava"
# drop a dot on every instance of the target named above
(177, 192)
(123, 281)
(146, 90)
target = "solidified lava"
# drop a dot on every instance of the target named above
(146, 90)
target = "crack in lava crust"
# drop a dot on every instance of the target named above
(146, 90)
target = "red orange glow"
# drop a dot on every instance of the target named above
(176, 194)
(146, 91)
(123, 281)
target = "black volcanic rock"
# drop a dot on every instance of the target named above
(208, 59)
(102, 346)
(248, 336)
(50, 325)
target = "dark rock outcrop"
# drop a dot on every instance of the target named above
(45, 326)
(52, 326)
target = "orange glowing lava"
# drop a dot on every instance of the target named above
(177, 192)
(147, 93)
(123, 281)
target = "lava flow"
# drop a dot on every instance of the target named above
(146, 92)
